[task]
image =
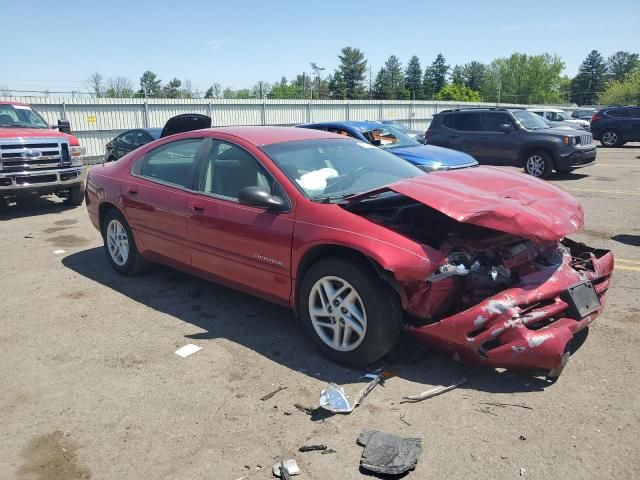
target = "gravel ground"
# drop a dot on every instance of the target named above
(91, 387)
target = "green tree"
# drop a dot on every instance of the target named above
(439, 69)
(457, 75)
(523, 78)
(381, 88)
(214, 91)
(590, 81)
(337, 86)
(474, 74)
(621, 64)
(395, 78)
(284, 89)
(625, 92)
(150, 85)
(119, 87)
(458, 93)
(413, 77)
(428, 85)
(172, 89)
(351, 73)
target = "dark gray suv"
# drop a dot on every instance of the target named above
(512, 136)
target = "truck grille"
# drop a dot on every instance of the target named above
(17, 156)
(586, 139)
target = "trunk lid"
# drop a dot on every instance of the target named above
(185, 123)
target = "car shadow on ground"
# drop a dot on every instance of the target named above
(633, 240)
(567, 176)
(32, 207)
(272, 330)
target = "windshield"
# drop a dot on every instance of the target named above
(563, 116)
(332, 169)
(388, 137)
(20, 116)
(530, 120)
(394, 124)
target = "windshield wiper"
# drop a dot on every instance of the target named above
(334, 198)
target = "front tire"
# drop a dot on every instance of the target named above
(538, 164)
(353, 317)
(120, 245)
(610, 138)
(75, 196)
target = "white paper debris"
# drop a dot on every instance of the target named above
(187, 350)
(58, 252)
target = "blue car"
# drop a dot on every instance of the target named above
(427, 157)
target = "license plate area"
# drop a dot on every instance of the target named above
(582, 300)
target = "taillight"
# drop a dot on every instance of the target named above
(596, 117)
(426, 136)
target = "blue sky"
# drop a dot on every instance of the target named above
(57, 44)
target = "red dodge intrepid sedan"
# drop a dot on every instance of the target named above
(359, 243)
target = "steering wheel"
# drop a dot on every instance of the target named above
(338, 181)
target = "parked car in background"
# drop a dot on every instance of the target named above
(418, 135)
(560, 117)
(132, 139)
(37, 159)
(352, 237)
(128, 141)
(512, 136)
(583, 114)
(614, 126)
(428, 158)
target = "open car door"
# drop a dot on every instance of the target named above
(185, 123)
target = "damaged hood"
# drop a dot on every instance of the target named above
(498, 199)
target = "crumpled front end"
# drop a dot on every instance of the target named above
(529, 324)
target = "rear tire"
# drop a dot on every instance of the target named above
(538, 164)
(351, 314)
(610, 138)
(76, 195)
(120, 246)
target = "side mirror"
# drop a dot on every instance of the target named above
(506, 128)
(259, 197)
(64, 126)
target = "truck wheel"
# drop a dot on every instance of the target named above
(538, 164)
(610, 138)
(353, 317)
(120, 246)
(76, 195)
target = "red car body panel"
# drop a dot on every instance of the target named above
(261, 252)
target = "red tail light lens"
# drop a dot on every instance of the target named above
(596, 117)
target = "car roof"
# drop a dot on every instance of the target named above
(154, 132)
(358, 125)
(558, 110)
(268, 135)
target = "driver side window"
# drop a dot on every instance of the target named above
(229, 168)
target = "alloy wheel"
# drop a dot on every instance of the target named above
(610, 138)
(337, 313)
(535, 165)
(117, 242)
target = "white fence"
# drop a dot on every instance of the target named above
(96, 121)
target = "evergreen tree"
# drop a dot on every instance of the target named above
(395, 78)
(440, 70)
(172, 89)
(352, 73)
(381, 88)
(413, 78)
(457, 75)
(474, 75)
(621, 64)
(428, 84)
(590, 80)
(150, 85)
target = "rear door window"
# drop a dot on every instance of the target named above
(491, 122)
(634, 113)
(618, 113)
(172, 163)
(126, 138)
(141, 138)
(467, 122)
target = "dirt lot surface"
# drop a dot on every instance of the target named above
(91, 387)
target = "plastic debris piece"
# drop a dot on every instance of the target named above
(269, 395)
(59, 252)
(312, 448)
(388, 454)
(187, 350)
(290, 467)
(327, 451)
(335, 400)
(433, 392)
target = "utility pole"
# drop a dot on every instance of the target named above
(370, 96)
(499, 88)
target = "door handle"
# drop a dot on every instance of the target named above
(196, 207)
(132, 191)
(454, 136)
